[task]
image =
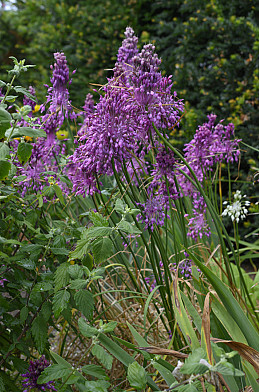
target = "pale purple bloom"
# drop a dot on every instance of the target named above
(35, 369)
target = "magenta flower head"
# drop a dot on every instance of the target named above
(126, 53)
(35, 369)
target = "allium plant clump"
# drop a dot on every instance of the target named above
(120, 129)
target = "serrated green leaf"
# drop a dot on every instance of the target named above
(192, 364)
(4, 151)
(128, 227)
(227, 369)
(5, 119)
(20, 89)
(42, 286)
(5, 167)
(39, 330)
(27, 264)
(105, 358)
(119, 206)
(102, 249)
(60, 251)
(60, 302)
(97, 219)
(109, 327)
(24, 314)
(2, 387)
(61, 361)
(61, 277)
(53, 372)
(75, 271)
(96, 386)
(95, 371)
(24, 152)
(86, 329)
(99, 231)
(25, 131)
(136, 376)
(59, 194)
(78, 284)
(85, 303)
(46, 310)
(81, 249)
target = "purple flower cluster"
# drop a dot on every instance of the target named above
(35, 369)
(184, 270)
(58, 97)
(120, 127)
(45, 152)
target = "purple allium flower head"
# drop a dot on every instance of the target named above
(35, 369)
(153, 212)
(58, 96)
(126, 52)
(88, 107)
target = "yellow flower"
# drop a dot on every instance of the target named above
(61, 135)
(36, 109)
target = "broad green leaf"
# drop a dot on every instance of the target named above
(105, 358)
(136, 376)
(81, 249)
(61, 361)
(75, 271)
(97, 219)
(85, 303)
(4, 151)
(165, 373)
(60, 302)
(192, 363)
(53, 372)
(109, 327)
(119, 206)
(25, 131)
(128, 227)
(20, 89)
(60, 251)
(61, 277)
(43, 286)
(227, 370)
(24, 314)
(24, 152)
(5, 119)
(86, 329)
(5, 167)
(39, 332)
(102, 249)
(27, 264)
(59, 194)
(78, 284)
(96, 386)
(95, 371)
(100, 231)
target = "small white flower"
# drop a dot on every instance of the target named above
(237, 210)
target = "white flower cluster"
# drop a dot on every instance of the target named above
(237, 210)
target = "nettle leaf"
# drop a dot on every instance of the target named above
(75, 271)
(95, 371)
(54, 372)
(5, 119)
(85, 303)
(78, 284)
(227, 369)
(2, 387)
(4, 150)
(46, 310)
(59, 194)
(60, 302)
(43, 286)
(86, 329)
(39, 331)
(136, 376)
(100, 231)
(119, 206)
(102, 249)
(128, 227)
(24, 152)
(98, 219)
(25, 131)
(192, 364)
(105, 358)
(109, 327)
(27, 264)
(97, 386)
(60, 251)
(61, 277)
(24, 314)
(81, 249)
(20, 89)
(5, 167)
